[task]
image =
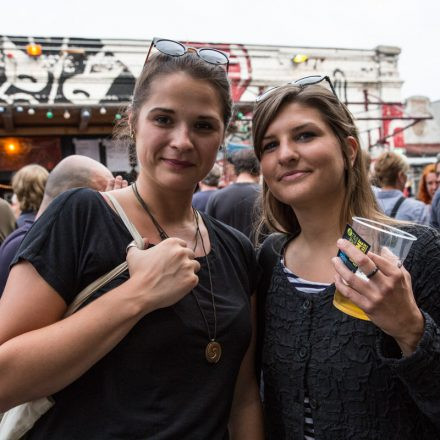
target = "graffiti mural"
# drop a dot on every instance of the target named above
(68, 71)
(392, 128)
(340, 84)
(93, 72)
(86, 71)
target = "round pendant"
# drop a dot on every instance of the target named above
(213, 352)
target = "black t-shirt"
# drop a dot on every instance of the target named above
(156, 383)
(235, 205)
(200, 199)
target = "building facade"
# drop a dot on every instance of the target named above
(60, 96)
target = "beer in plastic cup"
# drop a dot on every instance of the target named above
(387, 241)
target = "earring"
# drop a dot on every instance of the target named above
(131, 133)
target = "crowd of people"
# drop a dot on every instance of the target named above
(220, 323)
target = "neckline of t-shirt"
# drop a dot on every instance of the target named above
(211, 234)
(279, 268)
(302, 280)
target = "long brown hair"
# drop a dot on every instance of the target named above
(359, 199)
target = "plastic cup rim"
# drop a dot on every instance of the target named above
(381, 227)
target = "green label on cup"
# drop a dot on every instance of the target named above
(353, 237)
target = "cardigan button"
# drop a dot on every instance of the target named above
(306, 304)
(313, 404)
(302, 352)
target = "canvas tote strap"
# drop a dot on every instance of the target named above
(106, 278)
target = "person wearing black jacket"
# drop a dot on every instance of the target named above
(326, 375)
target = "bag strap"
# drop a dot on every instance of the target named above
(85, 294)
(133, 231)
(397, 206)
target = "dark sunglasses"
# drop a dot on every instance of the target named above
(176, 49)
(302, 82)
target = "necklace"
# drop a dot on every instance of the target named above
(162, 234)
(213, 350)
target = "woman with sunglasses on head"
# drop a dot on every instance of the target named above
(328, 375)
(163, 351)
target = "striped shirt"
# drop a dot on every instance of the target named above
(307, 287)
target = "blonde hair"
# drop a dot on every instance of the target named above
(388, 166)
(28, 184)
(359, 199)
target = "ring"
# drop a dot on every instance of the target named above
(130, 245)
(372, 273)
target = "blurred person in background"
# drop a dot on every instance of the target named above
(369, 168)
(235, 204)
(7, 220)
(15, 206)
(28, 185)
(72, 172)
(207, 186)
(391, 171)
(435, 207)
(427, 184)
(228, 175)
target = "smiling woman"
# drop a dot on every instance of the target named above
(299, 132)
(164, 351)
(327, 375)
(178, 132)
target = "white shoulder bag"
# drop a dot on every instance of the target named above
(17, 421)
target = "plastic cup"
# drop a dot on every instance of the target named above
(387, 241)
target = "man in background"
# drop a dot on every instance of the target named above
(72, 172)
(207, 187)
(391, 170)
(235, 204)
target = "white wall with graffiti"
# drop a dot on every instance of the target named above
(90, 72)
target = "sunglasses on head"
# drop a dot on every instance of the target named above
(302, 82)
(176, 49)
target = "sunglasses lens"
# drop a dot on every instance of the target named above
(169, 47)
(213, 56)
(314, 79)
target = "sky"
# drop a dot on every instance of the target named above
(414, 26)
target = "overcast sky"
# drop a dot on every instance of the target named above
(414, 26)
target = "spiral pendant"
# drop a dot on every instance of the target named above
(213, 352)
